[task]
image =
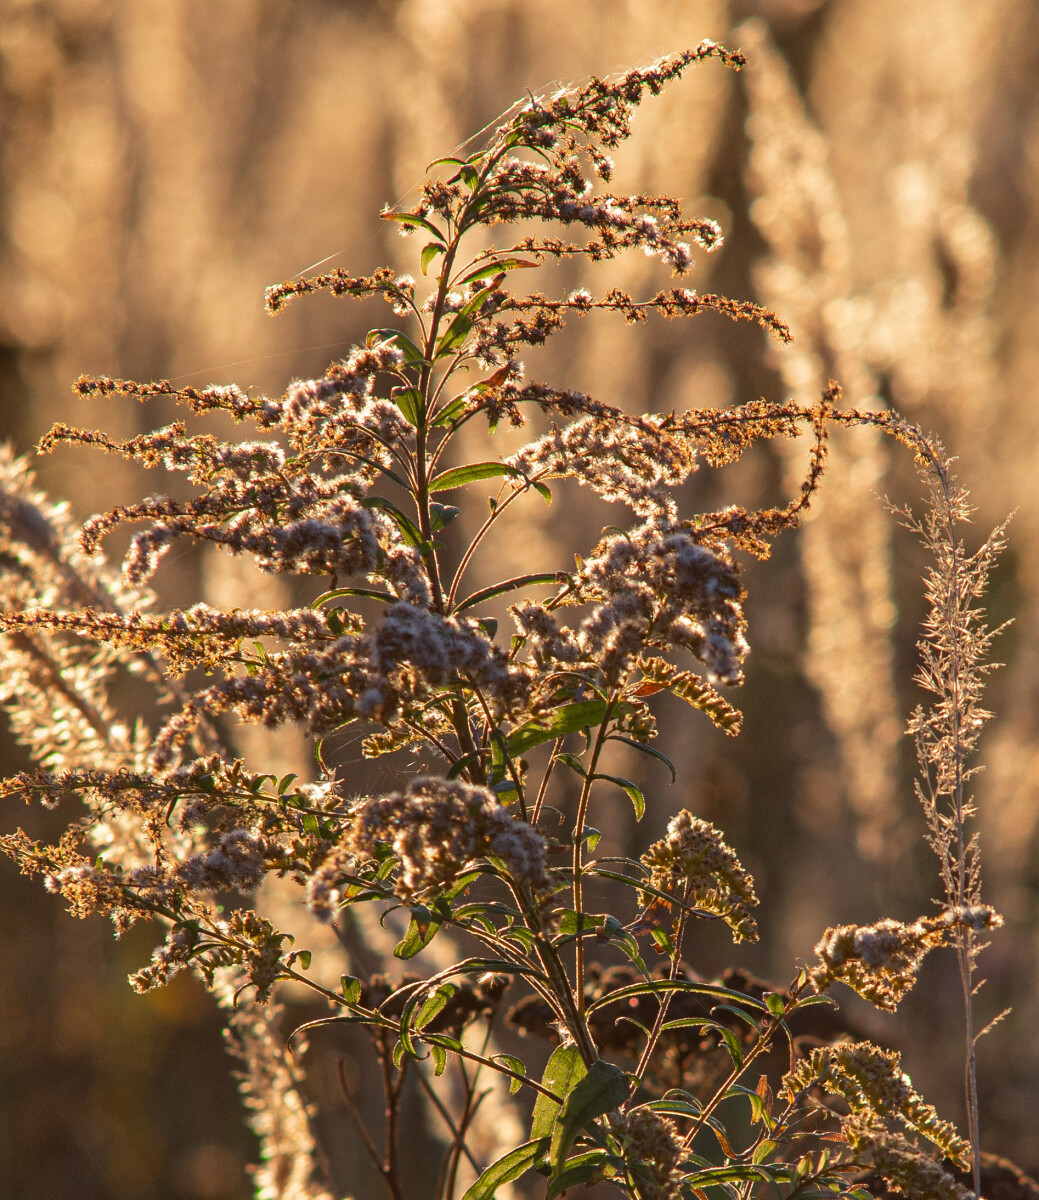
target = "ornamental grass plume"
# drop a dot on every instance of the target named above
(513, 701)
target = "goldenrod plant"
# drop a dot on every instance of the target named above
(379, 489)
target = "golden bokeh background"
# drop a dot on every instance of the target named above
(876, 169)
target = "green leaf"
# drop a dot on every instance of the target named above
(495, 267)
(439, 1058)
(500, 966)
(459, 476)
(643, 885)
(334, 621)
(450, 411)
(469, 177)
(758, 1112)
(434, 1005)
(688, 1023)
(513, 1064)
(413, 221)
(408, 529)
(567, 719)
(420, 932)
(509, 1167)
(732, 1044)
(711, 1176)
(445, 1040)
(774, 1003)
(506, 791)
(564, 1070)
(498, 749)
(573, 763)
(518, 936)
(368, 593)
(634, 792)
(447, 160)
(670, 1106)
(351, 989)
(510, 585)
(412, 1021)
(582, 1168)
(472, 306)
(624, 942)
(413, 356)
(409, 401)
(429, 251)
(604, 1088)
(644, 749)
(739, 1014)
(454, 336)
(486, 908)
(570, 923)
(660, 986)
(809, 1001)
(441, 515)
(663, 942)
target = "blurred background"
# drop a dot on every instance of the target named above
(876, 169)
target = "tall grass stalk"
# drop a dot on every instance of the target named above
(955, 658)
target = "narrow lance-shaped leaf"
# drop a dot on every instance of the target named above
(510, 585)
(563, 1071)
(604, 1088)
(429, 252)
(469, 177)
(420, 932)
(433, 1005)
(513, 1064)
(413, 221)
(369, 593)
(652, 751)
(585, 1168)
(509, 1167)
(567, 719)
(632, 790)
(447, 160)
(409, 530)
(453, 409)
(413, 356)
(454, 335)
(660, 986)
(459, 476)
(712, 1176)
(409, 401)
(495, 267)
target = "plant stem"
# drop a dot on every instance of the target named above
(578, 864)
(665, 1001)
(759, 1047)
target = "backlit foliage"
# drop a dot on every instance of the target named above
(510, 698)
